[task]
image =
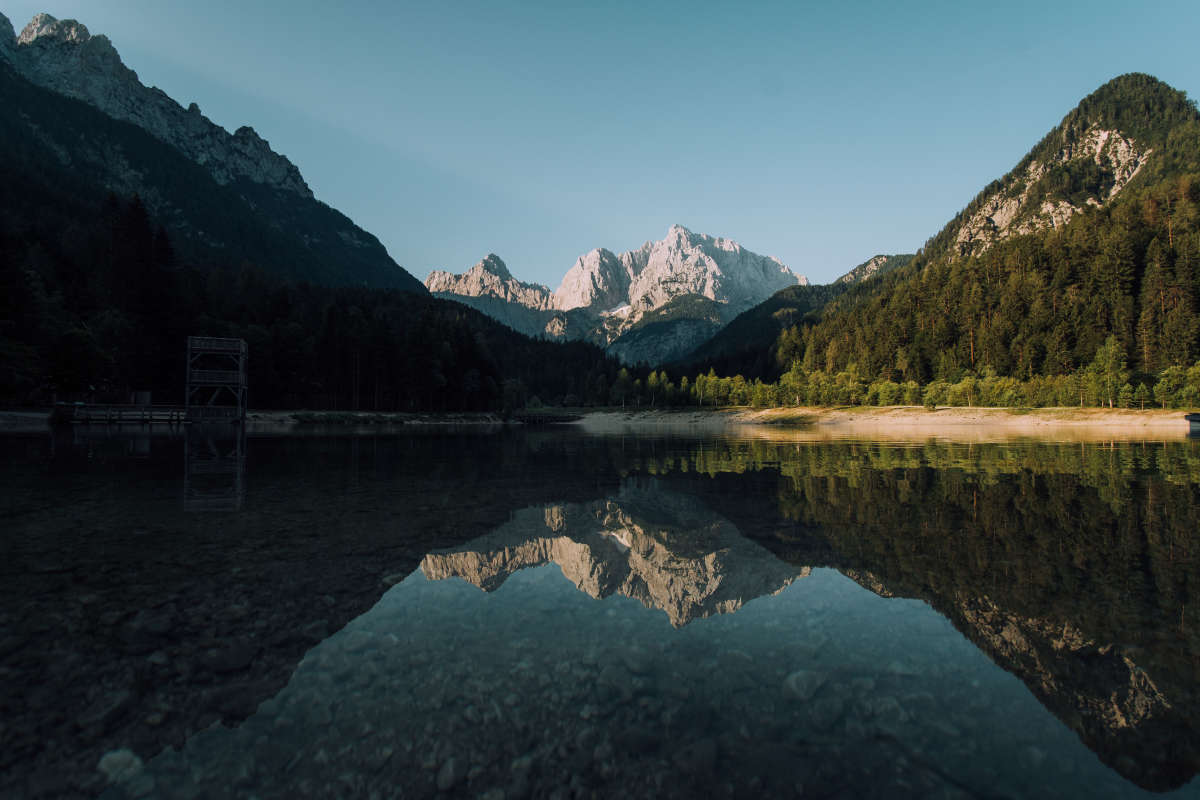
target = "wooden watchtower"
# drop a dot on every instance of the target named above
(216, 379)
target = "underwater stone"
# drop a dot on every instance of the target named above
(120, 766)
(450, 774)
(803, 683)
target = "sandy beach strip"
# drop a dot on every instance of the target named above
(902, 423)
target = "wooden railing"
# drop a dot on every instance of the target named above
(215, 377)
(124, 414)
(211, 343)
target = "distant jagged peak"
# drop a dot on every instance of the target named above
(598, 278)
(63, 56)
(681, 263)
(45, 27)
(682, 234)
(495, 265)
(490, 278)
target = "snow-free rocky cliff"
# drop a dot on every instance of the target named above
(1017, 206)
(74, 107)
(681, 263)
(63, 56)
(603, 294)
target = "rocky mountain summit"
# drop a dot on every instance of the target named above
(63, 56)
(1129, 127)
(80, 124)
(604, 295)
(491, 278)
(681, 263)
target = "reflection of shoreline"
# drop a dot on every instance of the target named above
(893, 423)
(664, 550)
(902, 423)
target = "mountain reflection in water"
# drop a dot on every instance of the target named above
(665, 550)
(707, 667)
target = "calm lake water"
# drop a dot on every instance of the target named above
(545, 613)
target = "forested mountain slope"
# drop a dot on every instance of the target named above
(94, 304)
(1091, 245)
(748, 344)
(78, 123)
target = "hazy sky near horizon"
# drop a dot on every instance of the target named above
(818, 133)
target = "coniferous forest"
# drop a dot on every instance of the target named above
(97, 298)
(1104, 310)
(96, 307)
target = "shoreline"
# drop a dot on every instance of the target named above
(799, 423)
(903, 423)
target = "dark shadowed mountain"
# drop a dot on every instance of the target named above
(78, 124)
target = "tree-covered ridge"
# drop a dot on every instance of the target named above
(747, 344)
(94, 303)
(1029, 320)
(1040, 304)
(1140, 106)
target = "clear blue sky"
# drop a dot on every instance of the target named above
(820, 133)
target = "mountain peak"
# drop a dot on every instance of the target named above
(64, 57)
(1099, 147)
(44, 26)
(494, 265)
(490, 278)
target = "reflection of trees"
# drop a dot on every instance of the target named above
(1073, 566)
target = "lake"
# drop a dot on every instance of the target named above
(545, 613)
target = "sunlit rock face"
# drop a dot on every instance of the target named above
(666, 551)
(598, 278)
(694, 263)
(490, 288)
(875, 265)
(604, 295)
(62, 55)
(681, 263)
(491, 278)
(1021, 206)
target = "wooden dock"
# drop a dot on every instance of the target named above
(128, 414)
(121, 414)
